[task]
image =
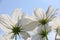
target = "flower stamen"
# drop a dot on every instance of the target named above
(43, 21)
(16, 30)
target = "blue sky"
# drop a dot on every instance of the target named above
(7, 6)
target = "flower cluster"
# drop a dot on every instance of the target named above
(20, 24)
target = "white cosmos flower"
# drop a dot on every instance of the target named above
(37, 31)
(15, 25)
(56, 26)
(42, 20)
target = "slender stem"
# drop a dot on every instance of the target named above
(46, 37)
(46, 32)
(55, 36)
(15, 37)
(56, 33)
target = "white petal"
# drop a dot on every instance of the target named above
(39, 13)
(30, 26)
(24, 35)
(54, 14)
(55, 23)
(7, 38)
(52, 18)
(24, 15)
(9, 35)
(38, 29)
(16, 15)
(37, 37)
(26, 19)
(48, 28)
(29, 39)
(5, 29)
(6, 19)
(4, 38)
(49, 11)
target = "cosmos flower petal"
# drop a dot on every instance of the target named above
(5, 29)
(29, 39)
(24, 35)
(6, 19)
(38, 29)
(3, 37)
(39, 13)
(30, 26)
(53, 17)
(54, 14)
(24, 15)
(37, 37)
(9, 35)
(55, 23)
(48, 28)
(49, 11)
(26, 19)
(16, 15)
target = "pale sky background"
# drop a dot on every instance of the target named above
(7, 6)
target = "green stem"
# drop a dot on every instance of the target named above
(46, 32)
(56, 33)
(55, 36)
(46, 37)
(15, 37)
